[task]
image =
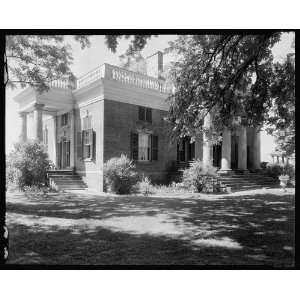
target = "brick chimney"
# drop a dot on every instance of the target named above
(155, 64)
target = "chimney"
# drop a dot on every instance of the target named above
(155, 64)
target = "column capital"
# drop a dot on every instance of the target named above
(38, 106)
(23, 113)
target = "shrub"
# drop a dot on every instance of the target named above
(200, 177)
(289, 170)
(119, 175)
(145, 186)
(263, 165)
(27, 165)
(274, 170)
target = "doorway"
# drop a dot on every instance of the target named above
(64, 153)
(217, 155)
(234, 152)
(185, 150)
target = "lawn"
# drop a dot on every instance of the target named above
(243, 228)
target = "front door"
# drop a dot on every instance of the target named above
(234, 152)
(64, 149)
(217, 155)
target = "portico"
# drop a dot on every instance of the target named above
(239, 150)
(39, 115)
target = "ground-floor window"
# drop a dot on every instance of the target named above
(144, 147)
(86, 139)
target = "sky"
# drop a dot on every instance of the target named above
(89, 58)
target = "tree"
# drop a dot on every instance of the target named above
(231, 74)
(281, 117)
(228, 74)
(36, 60)
(137, 44)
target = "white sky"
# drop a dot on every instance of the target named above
(89, 58)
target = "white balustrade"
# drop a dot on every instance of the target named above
(62, 84)
(122, 75)
(110, 72)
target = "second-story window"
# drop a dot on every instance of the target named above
(64, 119)
(145, 114)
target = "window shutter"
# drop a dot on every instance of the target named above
(79, 145)
(134, 142)
(91, 141)
(149, 115)
(141, 113)
(94, 146)
(154, 147)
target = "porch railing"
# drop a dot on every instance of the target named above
(115, 73)
(110, 72)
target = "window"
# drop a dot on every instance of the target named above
(64, 119)
(45, 137)
(145, 114)
(86, 140)
(144, 147)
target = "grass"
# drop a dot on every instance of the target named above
(245, 228)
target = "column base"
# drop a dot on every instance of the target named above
(225, 171)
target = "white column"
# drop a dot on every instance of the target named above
(54, 141)
(207, 145)
(242, 149)
(72, 138)
(38, 122)
(226, 151)
(256, 149)
(23, 136)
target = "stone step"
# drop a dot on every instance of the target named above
(65, 177)
(69, 182)
(60, 172)
(262, 180)
(62, 181)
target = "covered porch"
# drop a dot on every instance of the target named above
(238, 151)
(41, 121)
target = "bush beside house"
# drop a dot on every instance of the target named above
(275, 170)
(201, 178)
(27, 165)
(119, 175)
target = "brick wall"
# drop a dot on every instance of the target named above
(120, 119)
(91, 170)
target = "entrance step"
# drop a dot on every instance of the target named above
(248, 181)
(65, 180)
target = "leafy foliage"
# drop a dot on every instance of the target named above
(145, 186)
(226, 74)
(281, 116)
(27, 165)
(36, 60)
(120, 175)
(138, 42)
(275, 170)
(199, 177)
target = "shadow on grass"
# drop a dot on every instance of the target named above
(104, 230)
